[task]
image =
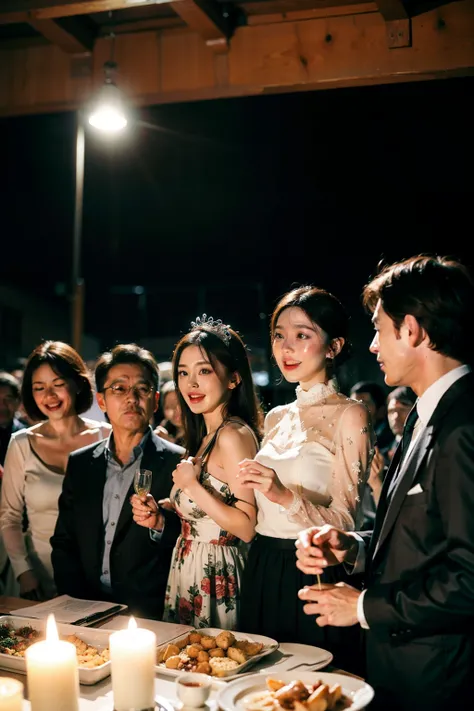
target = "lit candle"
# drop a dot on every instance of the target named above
(11, 694)
(53, 677)
(133, 659)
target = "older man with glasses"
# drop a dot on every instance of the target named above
(98, 551)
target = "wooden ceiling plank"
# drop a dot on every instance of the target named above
(19, 10)
(313, 14)
(159, 23)
(70, 41)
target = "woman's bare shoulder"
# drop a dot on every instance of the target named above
(236, 436)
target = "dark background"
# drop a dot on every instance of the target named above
(221, 206)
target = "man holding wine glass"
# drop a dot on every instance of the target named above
(98, 553)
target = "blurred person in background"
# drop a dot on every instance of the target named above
(9, 403)
(374, 398)
(9, 424)
(399, 403)
(171, 427)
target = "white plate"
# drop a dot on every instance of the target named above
(269, 646)
(230, 698)
(95, 637)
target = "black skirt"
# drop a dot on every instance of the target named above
(270, 604)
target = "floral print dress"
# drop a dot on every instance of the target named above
(207, 564)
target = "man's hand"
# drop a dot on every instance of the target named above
(321, 546)
(146, 512)
(336, 605)
(29, 586)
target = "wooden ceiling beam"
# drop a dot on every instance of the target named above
(392, 10)
(397, 23)
(76, 39)
(158, 23)
(15, 11)
(204, 17)
(175, 65)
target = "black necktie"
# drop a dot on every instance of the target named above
(404, 445)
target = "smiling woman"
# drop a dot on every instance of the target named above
(312, 466)
(221, 420)
(56, 390)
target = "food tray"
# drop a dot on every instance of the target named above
(269, 646)
(95, 637)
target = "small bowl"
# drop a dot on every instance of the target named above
(193, 689)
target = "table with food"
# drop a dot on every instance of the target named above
(121, 664)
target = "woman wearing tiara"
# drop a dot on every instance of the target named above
(311, 469)
(221, 415)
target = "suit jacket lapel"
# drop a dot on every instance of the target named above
(152, 460)
(93, 498)
(407, 475)
(387, 514)
(383, 503)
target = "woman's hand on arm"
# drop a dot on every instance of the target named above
(186, 475)
(253, 475)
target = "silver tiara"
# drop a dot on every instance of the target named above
(216, 325)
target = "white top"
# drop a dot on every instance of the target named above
(29, 481)
(321, 447)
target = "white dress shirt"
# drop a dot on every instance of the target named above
(425, 406)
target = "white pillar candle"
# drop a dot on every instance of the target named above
(11, 694)
(133, 660)
(53, 677)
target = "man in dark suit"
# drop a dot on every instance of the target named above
(98, 552)
(418, 601)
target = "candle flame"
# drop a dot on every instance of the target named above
(51, 630)
(132, 625)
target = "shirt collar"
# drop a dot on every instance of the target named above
(137, 450)
(428, 402)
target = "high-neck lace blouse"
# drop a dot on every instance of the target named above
(321, 447)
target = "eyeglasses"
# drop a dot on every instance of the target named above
(120, 390)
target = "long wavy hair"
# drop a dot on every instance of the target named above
(242, 402)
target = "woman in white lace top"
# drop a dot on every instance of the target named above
(311, 469)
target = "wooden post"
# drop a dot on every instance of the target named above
(78, 315)
(77, 283)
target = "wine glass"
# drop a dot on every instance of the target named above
(142, 482)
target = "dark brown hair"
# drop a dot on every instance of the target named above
(233, 356)
(437, 291)
(67, 364)
(324, 310)
(126, 353)
(7, 380)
